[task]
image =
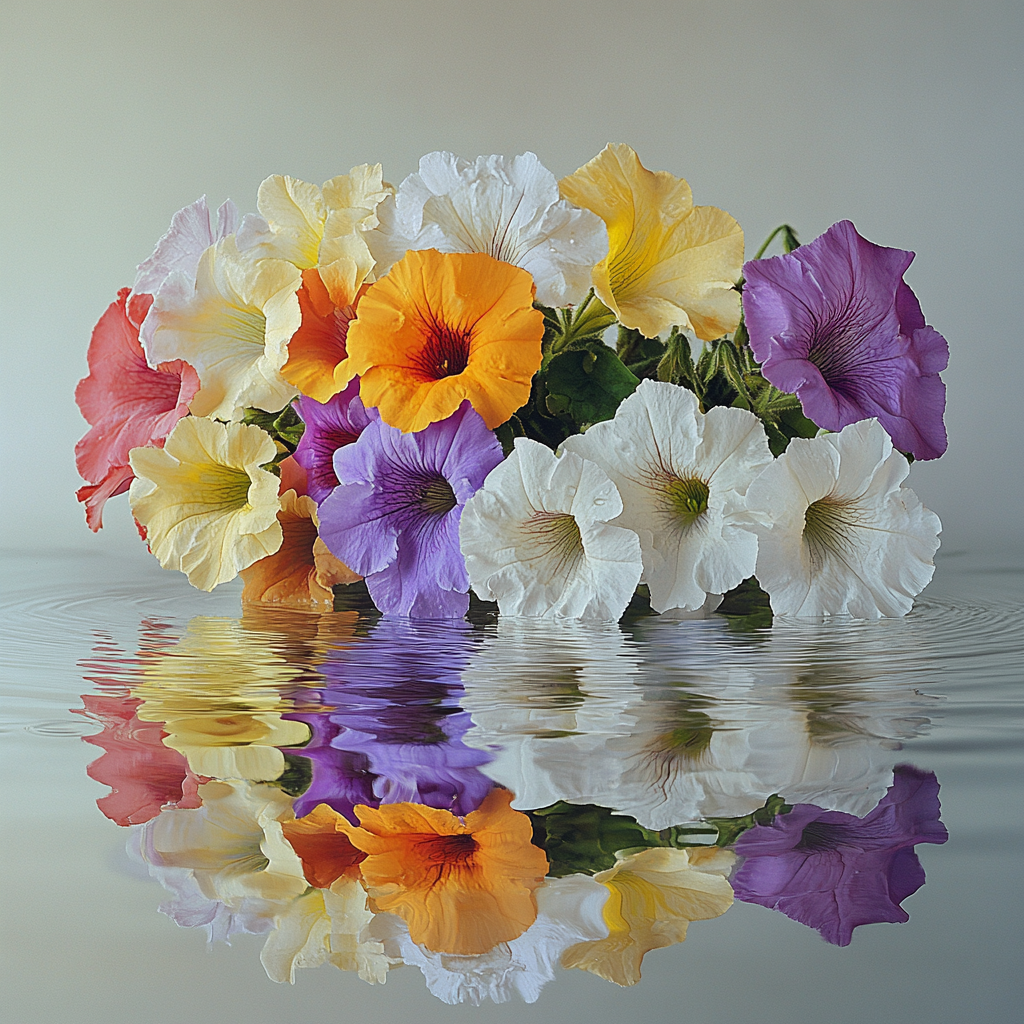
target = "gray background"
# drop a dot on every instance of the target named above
(904, 117)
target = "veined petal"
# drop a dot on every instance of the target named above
(669, 262)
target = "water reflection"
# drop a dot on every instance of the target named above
(492, 802)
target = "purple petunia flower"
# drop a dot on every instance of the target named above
(835, 323)
(329, 427)
(833, 871)
(394, 516)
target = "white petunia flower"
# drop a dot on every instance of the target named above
(569, 911)
(837, 533)
(536, 538)
(191, 233)
(682, 476)
(508, 208)
(232, 322)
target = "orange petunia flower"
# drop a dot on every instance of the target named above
(320, 840)
(302, 571)
(441, 328)
(318, 363)
(461, 885)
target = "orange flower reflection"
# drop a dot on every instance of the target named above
(325, 850)
(441, 328)
(461, 885)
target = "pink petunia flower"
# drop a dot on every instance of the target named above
(128, 404)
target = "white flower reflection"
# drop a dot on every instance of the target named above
(545, 697)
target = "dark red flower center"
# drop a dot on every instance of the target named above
(446, 351)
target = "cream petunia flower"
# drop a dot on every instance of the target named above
(682, 476)
(669, 262)
(507, 208)
(323, 227)
(208, 508)
(838, 534)
(325, 926)
(654, 895)
(536, 538)
(233, 325)
(233, 843)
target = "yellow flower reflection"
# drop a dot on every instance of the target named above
(325, 926)
(669, 262)
(233, 843)
(219, 693)
(654, 894)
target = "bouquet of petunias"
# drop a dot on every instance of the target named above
(551, 392)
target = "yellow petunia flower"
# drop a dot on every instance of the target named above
(654, 894)
(323, 227)
(208, 508)
(441, 328)
(233, 327)
(669, 262)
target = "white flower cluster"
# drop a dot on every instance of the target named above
(692, 504)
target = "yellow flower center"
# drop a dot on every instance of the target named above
(685, 500)
(246, 323)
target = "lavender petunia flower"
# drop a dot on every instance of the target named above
(833, 871)
(835, 322)
(329, 426)
(394, 516)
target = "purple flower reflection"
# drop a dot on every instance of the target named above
(388, 728)
(833, 871)
(836, 323)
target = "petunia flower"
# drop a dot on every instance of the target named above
(834, 872)
(329, 426)
(835, 322)
(128, 403)
(319, 226)
(669, 262)
(654, 895)
(233, 843)
(837, 533)
(232, 324)
(323, 846)
(324, 926)
(537, 540)
(208, 508)
(191, 233)
(442, 328)
(318, 363)
(568, 913)
(143, 774)
(301, 573)
(394, 516)
(682, 476)
(462, 885)
(507, 208)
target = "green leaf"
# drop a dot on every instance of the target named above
(730, 829)
(585, 838)
(587, 384)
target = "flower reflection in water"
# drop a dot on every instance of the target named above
(488, 803)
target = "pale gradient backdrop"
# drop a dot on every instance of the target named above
(904, 117)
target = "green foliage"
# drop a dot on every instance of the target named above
(297, 775)
(284, 427)
(587, 384)
(747, 607)
(730, 829)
